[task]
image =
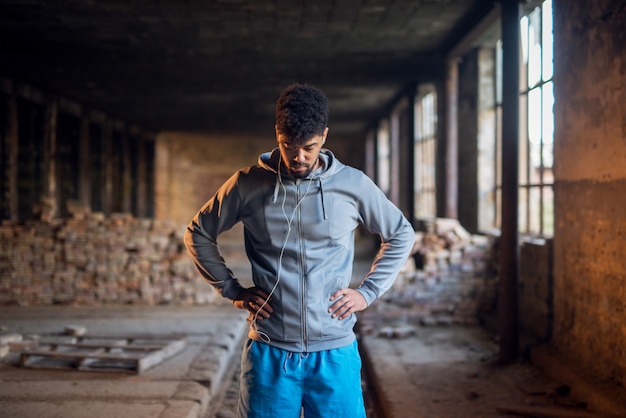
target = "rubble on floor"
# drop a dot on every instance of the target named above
(450, 278)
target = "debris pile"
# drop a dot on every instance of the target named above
(450, 279)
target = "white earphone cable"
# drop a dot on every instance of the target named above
(289, 220)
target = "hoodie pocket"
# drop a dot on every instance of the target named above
(321, 325)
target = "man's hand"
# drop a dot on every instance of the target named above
(348, 301)
(255, 301)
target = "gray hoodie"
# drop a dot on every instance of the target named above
(299, 238)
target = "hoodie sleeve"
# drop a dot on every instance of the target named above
(219, 214)
(381, 217)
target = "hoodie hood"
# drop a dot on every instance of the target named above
(271, 161)
(330, 165)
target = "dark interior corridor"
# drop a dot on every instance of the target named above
(497, 127)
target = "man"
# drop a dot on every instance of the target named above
(300, 207)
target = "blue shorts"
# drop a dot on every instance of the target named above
(277, 383)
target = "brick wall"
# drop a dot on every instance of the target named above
(90, 259)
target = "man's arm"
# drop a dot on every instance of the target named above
(219, 214)
(381, 217)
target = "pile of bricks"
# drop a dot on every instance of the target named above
(93, 259)
(450, 279)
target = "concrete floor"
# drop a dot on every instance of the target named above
(453, 372)
(181, 386)
(436, 372)
(432, 372)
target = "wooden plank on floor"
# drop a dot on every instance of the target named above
(98, 354)
(157, 356)
(108, 347)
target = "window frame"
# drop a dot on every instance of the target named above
(425, 152)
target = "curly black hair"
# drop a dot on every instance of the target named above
(301, 112)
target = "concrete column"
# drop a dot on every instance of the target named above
(51, 155)
(107, 134)
(141, 176)
(394, 157)
(127, 181)
(410, 156)
(467, 174)
(509, 245)
(13, 140)
(84, 163)
(452, 139)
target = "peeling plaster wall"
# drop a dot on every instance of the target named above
(590, 185)
(190, 167)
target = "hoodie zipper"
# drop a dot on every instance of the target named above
(302, 269)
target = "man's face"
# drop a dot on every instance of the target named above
(301, 158)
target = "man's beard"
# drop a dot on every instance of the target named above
(300, 174)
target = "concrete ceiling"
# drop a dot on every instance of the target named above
(219, 65)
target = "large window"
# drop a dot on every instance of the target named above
(425, 152)
(536, 181)
(536, 199)
(383, 141)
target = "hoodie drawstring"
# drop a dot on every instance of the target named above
(322, 196)
(279, 182)
(276, 187)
